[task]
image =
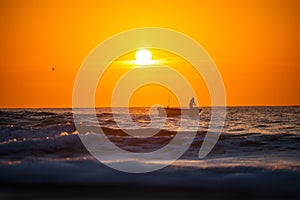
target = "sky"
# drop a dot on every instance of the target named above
(255, 45)
(166, 87)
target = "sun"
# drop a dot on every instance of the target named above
(143, 57)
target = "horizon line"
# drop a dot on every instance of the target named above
(206, 106)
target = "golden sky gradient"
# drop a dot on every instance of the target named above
(154, 93)
(255, 45)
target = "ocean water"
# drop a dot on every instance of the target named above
(257, 153)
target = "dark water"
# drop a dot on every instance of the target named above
(257, 153)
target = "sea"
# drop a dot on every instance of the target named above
(257, 155)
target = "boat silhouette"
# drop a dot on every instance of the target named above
(173, 111)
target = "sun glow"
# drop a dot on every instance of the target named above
(143, 57)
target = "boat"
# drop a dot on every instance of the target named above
(178, 111)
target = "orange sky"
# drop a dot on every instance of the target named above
(255, 44)
(154, 93)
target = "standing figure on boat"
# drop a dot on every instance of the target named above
(192, 103)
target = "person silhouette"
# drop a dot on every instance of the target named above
(192, 103)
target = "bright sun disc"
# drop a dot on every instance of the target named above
(143, 57)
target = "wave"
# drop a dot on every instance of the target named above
(59, 146)
(243, 180)
(63, 140)
(257, 153)
(31, 132)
